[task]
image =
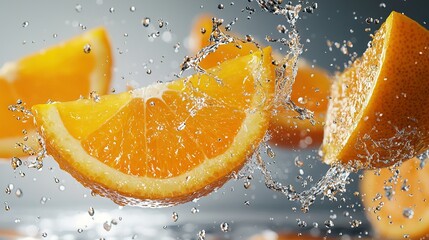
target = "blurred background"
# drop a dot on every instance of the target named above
(53, 209)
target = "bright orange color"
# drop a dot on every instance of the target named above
(392, 224)
(167, 143)
(311, 84)
(63, 72)
(378, 113)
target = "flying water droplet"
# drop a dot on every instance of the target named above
(15, 163)
(175, 216)
(146, 22)
(91, 211)
(25, 24)
(224, 227)
(87, 48)
(408, 213)
(78, 8)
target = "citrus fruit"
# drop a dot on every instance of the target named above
(395, 200)
(63, 72)
(167, 143)
(310, 90)
(377, 116)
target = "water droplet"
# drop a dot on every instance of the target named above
(15, 162)
(408, 213)
(195, 210)
(146, 22)
(203, 30)
(44, 234)
(25, 24)
(224, 227)
(160, 23)
(19, 192)
(132, 9)
(78, 8)
(220, 6)
(149, 71)
(181, 126)
(355, 223)
(202, 235)
(91, 211)
(62, 188)
(43, 200)
(270, 152)
(298, 162)
(175, 216)
(87, 48)
(112, 10)
(329, 223)
(107, 226)
(56, 180)
(382, 5)
(176, 47)
(6, 206)
(94, 96)
(79, 230)
(281, 28)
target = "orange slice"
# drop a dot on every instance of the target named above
(167, 143)
(311, 88)
(63, 72)
(406, 214)
(377, 115)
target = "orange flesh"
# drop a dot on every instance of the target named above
(149, 127)
(35, 79)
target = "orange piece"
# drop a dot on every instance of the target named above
(406, 213)
(311, 84)
(167, 143)
(63, 72)
(377, 115)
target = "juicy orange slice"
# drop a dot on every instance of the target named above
(167, 143)
(406, 214)
(377, 115)
(311, 88)
(63, 72)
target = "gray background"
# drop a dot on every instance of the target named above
(65, 211)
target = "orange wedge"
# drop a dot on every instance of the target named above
(406, 214)
(167, 143)
(311, 88)
(377, 115)
(63, 72)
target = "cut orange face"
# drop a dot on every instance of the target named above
(60, 73)
(395, 200)
(167, 143)
(377, 115)
(310, 90)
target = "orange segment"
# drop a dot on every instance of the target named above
(410, 190)
(311, 84)
(167, 143)
(61, 73)
(377, 116)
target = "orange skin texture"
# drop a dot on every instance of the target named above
(394, 125)
(311, 83)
